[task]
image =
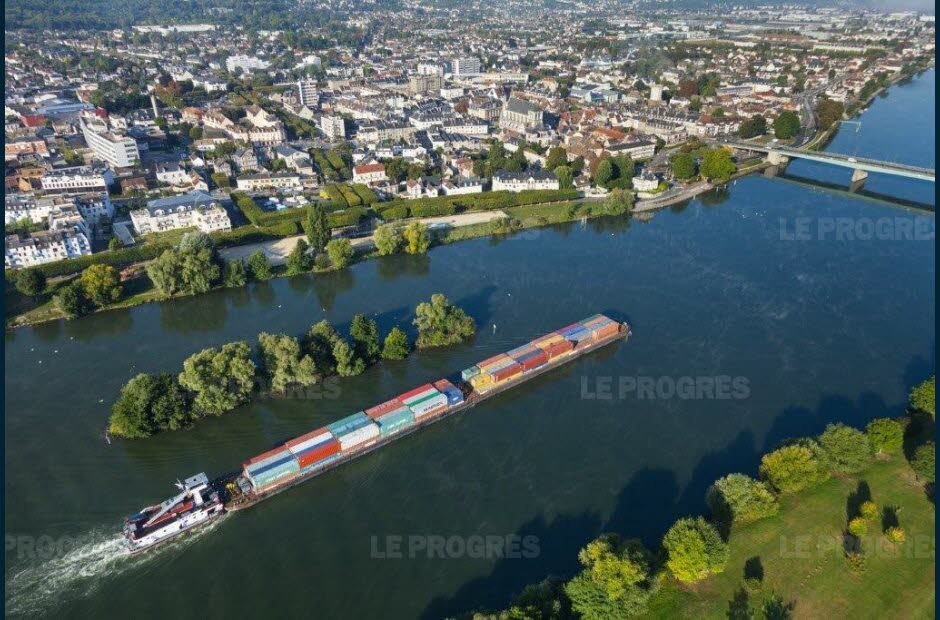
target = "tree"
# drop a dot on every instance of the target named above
(924, 461)
(299, 261)
(221, 379)
(604, 173)
(199, 270)
(776, 609)
(259, 266)
(317, 227)
(365, 336)
(149, 404)
(30, 282)
(737, 498)
(220, 179)
(717, 165)
(348, 364)
(192, 267)
(753, 127)
(318, 343)
(615, 581)
(786, 125)
(283, 363)
(114, 244)
(557, 156)
(388, 239)
(847, 448)
(340, 252)
(234, 274)
(102, 284)
(795, 467)
(739, 607)
(164, 272)
(441, 323)
(924, 396)
(417, 238)
(828, 112)
(885, 436)
(565, 176)
(682, 166)
(396, 345)
(695, 550)
(72, 301)
(618, 201)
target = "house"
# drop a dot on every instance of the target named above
(462, 185)
(645, 182)
(267, 181)
(77, 179)
(195, 209)
(520, 181)
(369, 173)
(246, 160)
(171, 173)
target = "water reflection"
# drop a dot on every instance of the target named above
(195, 314)
(391, 268)
(715, 197)
(328, 285)
(93, 327)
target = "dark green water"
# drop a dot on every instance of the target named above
(822, 330)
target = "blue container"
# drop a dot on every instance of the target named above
(267, 466)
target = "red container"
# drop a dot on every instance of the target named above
(507, 372)
(535, 361)
(386, 407)
(265, 455)
(557, 348)
(490, 360)
(414, 392)
(607, 330)
(299, 440)
(318, 453)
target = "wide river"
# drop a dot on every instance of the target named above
(753, 284)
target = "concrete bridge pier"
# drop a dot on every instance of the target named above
(858, 180)
(778, 163)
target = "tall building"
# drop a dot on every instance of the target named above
(333, 126)
(467, 66)
(118, 150)
(307, 93)
(656, 92)
(421, 84)
(430, 68)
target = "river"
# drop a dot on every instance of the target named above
(816, 328)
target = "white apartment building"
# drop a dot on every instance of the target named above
(521, 181)
(466, 66)
(195, 209)
(118, 150)
(333, 126)
(78, 179)
(369, 173)
(46, 246)
(307, 93)
(262, 182)
(245, 63)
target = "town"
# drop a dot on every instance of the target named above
(116, 138)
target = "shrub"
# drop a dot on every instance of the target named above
(348, 364)
(72, 301)
(102, 284)
(868, 510)
(885, 436)
(695, 550)
(858, 527)
(847, 448)
(221, 378)
(417, 238)
(149, 404)
(737, 498)
(924, 398)
(259, 266)
(615, 582)
(234, 274)
(31, 282)
(924, 461)
(340, 252)
(441, 323)
(795, 467)
(896, 534)
(398, 212)
(396, 345)
(388, 239)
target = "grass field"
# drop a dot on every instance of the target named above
(800, 552)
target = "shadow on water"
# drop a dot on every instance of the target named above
(328, 285)
(842, 190)
(204, 313)
(649, 504)
(396, 266)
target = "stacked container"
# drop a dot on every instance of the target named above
(468, 373)
(271, 467)
(314, 449)
(507, 372)
(448, 389)
(425, 402)
(387, 407)
(395, 421)
(354, 430)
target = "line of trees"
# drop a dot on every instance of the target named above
(618, 577)
(219, 379)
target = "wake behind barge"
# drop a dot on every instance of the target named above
(326, 448)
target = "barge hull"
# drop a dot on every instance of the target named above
(242, 502)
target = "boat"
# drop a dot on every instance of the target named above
(324, 449)
(197, 504)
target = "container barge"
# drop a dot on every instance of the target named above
(326, 448)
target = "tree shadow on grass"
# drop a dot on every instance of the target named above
(856, 498)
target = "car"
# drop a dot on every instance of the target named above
(853, 160)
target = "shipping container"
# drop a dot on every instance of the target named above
(534, 361)
(419, 397)
(309, 440)
(515, 353)
(265, 456)
(559, 348)
(580, 335)
(430, 409)
(386, 407)
(271, 475)
(318, 453)
(507, 373)
(607, 330)
(359, 436)
(428, 404)
(395, 421)
(547, 340)
(506, 361)
(349, 423)
(448, 389)
(490, 360)
(319, 464)
(469, 373)
(412, 393)
(592, 319)
(564, 331)
(481, 382)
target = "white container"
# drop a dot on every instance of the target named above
(309, 443)
(359, 436)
